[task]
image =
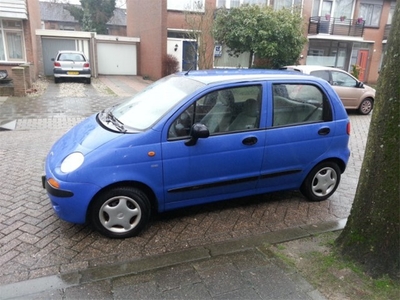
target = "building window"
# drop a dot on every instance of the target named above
(186, 5)
(391, 13)
(336, 9)
(279, 4)
(11, 41)
(370, 12)
(237, 3)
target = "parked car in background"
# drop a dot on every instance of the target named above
(353, 93)
(71, 64)
(198, 137)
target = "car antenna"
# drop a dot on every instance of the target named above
(190, 69)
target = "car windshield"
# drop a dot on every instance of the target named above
(148, 106)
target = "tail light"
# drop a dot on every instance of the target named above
(57, 64)
(86, 65)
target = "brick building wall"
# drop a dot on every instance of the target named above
(148, 21)
(376, 34)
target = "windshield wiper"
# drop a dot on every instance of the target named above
(117, 123)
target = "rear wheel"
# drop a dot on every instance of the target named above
(88, 81)
(321, 182)
(366, 106)
(120, 213)
(56, 80)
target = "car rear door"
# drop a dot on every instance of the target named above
(299, 132)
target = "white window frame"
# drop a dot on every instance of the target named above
(235, 3)
(186, 5)
(376, 6)
(5, 47)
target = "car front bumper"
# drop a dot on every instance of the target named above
(71, 201)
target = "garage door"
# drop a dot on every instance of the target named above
(51, 45)
(116, 59)
(50, 48)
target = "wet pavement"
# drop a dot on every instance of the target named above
(36, 245)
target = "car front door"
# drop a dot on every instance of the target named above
(347, 89)
(227, 163)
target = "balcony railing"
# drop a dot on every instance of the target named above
(336, 26)
(386, 32)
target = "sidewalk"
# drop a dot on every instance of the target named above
(124, 86)
(237, 269)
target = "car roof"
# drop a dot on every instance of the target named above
(70, 51)
(234, 75)
(310, 68)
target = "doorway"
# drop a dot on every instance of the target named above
(189, 56)
(362, 60)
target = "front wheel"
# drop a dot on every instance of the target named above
(366, 106)
(321, 182)
(120, 213)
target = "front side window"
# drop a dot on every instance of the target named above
(295, 104)
(11, 41)
(370, 12)
(222, 111)
(342, 79)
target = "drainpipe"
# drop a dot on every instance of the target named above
(93, 62)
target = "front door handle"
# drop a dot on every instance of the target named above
(250, 141)
(324, 131)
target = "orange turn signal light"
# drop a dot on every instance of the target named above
(53, 183)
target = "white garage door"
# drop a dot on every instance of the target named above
(116, 59)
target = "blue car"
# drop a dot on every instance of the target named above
(199, 137)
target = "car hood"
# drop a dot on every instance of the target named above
(84, 137)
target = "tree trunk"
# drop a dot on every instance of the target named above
(372, 233)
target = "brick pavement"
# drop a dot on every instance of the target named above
(35, 243)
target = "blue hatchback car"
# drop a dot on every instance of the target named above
(198, 137)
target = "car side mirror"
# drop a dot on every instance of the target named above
(360, 84)
(198, 131)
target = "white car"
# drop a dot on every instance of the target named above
(71, 64)
(353, 93)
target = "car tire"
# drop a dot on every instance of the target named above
(88, 81)
(321, 182)
(56, 80)
(366, 106)
(120, 212)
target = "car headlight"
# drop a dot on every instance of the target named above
(72, 162)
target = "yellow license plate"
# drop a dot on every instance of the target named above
(73, 73)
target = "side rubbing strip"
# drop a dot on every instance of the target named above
(212, 185)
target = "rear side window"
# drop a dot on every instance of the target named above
(298, 104)
(321, 74)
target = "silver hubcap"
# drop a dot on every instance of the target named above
(324, 181)
(366, 107)
(120, 214)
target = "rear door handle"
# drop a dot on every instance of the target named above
(250, 141)
(324, 131)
